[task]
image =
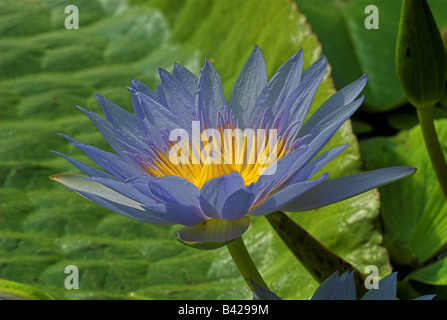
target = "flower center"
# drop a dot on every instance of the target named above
(219, 152)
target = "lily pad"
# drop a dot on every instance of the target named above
(414, 210)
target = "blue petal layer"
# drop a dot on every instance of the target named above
(210, 98)
(249, 84)
(285, 196)
(338, 189)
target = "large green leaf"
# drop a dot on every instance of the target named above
(434, 274)
(413, 210)
(318, 260)
(352, 48)
(48, 71)
(431, 279)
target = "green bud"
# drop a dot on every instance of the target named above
(420, 55)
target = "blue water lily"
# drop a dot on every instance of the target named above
(213, 183)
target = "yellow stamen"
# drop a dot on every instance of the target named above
(234, 154)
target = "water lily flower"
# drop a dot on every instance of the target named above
(161, 180)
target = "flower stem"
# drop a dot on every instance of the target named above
(244, 263)
(433, 147)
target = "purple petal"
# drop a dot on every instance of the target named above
(237, 205)
(119, 166)
(119, 117)
(301, 100)
(174, 189)
(186, 77)
(178, 199)
(84, 168)
(312, 168)
(179, 213)
(287, 164)
(285, 196)
(141, 87)
(323, 116)
(249, 84)
(387, 289)
(126, 211)
(154, 113)
(115, 137)
(319, 139)
(337, 288)
(215, 192)
(210, 98)
(125, 189)
(108, 198)
(283, 83)
(338, 189)
(179, 100)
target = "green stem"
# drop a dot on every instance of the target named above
(244, 263)
(433, 147)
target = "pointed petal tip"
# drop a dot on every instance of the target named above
(321, 63)
(207, 64)
(101, 99)
(85, 111)
(256, 50)
(134, 82)
(59, 177)
(342, 188)
(406, 170)
(298, 54)
(58, 153)
(360, 99)
(66, 137)
(162, 72)
(180, 67)
(412, 170)
(361, 82)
